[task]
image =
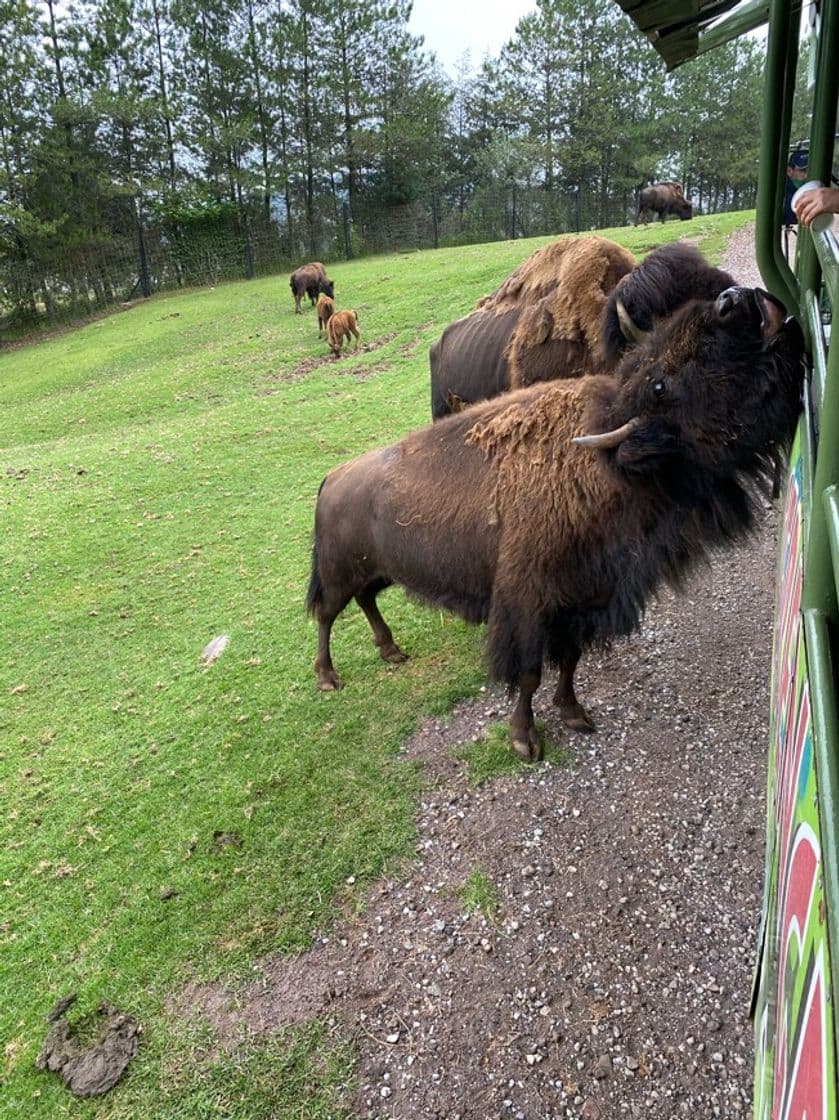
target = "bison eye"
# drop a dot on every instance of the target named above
(659, 387)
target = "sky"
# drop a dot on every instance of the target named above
(451, 27)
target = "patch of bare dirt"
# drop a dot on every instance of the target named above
(308, 365)
(614, 980)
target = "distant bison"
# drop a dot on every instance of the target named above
(571, 308)
(542, 323)
(663, 199)
(310, 280)
(553, 513)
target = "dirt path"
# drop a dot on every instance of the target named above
(615, 980)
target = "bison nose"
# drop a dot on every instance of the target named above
(728, 300)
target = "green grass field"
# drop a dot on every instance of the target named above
(158, 472)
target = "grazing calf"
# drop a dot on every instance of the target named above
(310, 280)
(341, 325)
(325, 308)
(553, 513)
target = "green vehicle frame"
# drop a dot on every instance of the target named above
(796, 977)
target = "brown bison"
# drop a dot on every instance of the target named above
(557, 316)
(668, 277)
(542, 323)
(341, 325)
(310, 280)
(506, 513)
(325, 308)
(663, 199)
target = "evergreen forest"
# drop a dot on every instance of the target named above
(147, 144)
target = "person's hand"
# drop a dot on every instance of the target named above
(821, 200)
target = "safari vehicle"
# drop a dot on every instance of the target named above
(797, 976)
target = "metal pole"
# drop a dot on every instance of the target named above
(819, 585)
(778, 85)
(145, 280)
(345, 210)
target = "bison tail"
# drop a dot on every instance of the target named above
(314, 596)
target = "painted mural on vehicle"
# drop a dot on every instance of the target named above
(795, 1073)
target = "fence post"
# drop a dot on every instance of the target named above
(434, 220)
(345, 214)
(142, 258)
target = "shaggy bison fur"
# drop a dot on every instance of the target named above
(553, 513)
(542, 323)
(310, 280)
(570, 309)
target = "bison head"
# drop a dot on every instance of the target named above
(328, 288)
(713, 391)
(683, 208)
(668, 277)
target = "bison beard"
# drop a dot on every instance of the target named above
(504, 513)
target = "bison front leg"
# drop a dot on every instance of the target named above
(382, 636)
(524, 737)
(571, 711)
(516, 644)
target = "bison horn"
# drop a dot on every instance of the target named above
(630, 331)
(605, 440)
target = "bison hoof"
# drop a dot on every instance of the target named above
(530, 749)
(575, 717)
(329, 681)
(392, 654)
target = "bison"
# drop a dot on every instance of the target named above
(663, 199)
(558, 315)
(668, 277)
(325, 308)
(310, 280)
(542, 323)
(554, 512)
(341, 325)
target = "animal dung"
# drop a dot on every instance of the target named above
(89, 1071)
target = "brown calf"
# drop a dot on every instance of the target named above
(341, 325)
(325, 308)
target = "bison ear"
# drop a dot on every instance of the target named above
(772, 313)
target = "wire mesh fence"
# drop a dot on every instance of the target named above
(151, 254)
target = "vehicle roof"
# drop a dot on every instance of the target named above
(682, 29)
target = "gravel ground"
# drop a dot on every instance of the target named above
(614, 979)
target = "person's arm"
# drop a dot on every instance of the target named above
(822, 200)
